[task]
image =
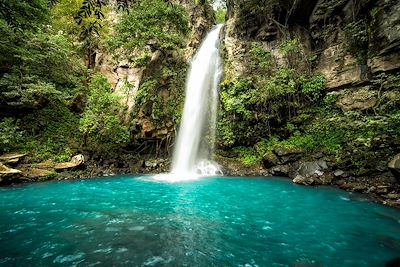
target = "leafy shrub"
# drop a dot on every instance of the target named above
(10, 134)
(289, 46)
(51, 133)
(235, 96)
(37, 67)
(225, 133)
(248, 156)
(312, 87)
(261, 59)
(100, 124)
(330, 100)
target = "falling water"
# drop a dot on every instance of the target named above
(196, 136)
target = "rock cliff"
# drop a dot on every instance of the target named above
(315, 76)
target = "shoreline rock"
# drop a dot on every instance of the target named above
(309, 173)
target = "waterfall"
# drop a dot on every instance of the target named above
(196, 137)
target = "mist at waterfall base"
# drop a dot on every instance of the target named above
(137, 221)
(196, 137)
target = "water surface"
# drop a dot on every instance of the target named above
(133, 221)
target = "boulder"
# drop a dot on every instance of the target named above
(12, 157)
(326, 178)
(394, 166)
(308, 169)
(48, 164)
(393, 196)
(6, 172)
(270, 159)
(280, 170)
(75, 162)
(284, 151)
(359, 99)
(150, 164)
(36, 173)
(287, 155)
(338, 173)
(299, 179)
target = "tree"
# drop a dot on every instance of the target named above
(152, 24)
(23, 14)
(36, 65)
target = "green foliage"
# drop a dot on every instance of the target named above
(248, 156)
(51, 133)
(289, 46)
(312, 87)
(356, 33)
(249, 108)
(142, 60)
(144, 89)
(220, 15)
(100, 124)
(36, 67)
(330, 100)
(10, 134)
(23, 14)
(62, 17)
(160, 96)
(83, 22)
(52, 58)
(154, 23)
(235, 95)
(261, 59)
(226, 133)
(280, 84)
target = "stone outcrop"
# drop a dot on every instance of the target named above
(36, 174)
(394, 166)
(338, 66)
(384, 44)
(312, 173)
(201, 19)
(328, 26)
(34, 171)
(357, 99)
(6, 172)
(75, 162)
(12, 158)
